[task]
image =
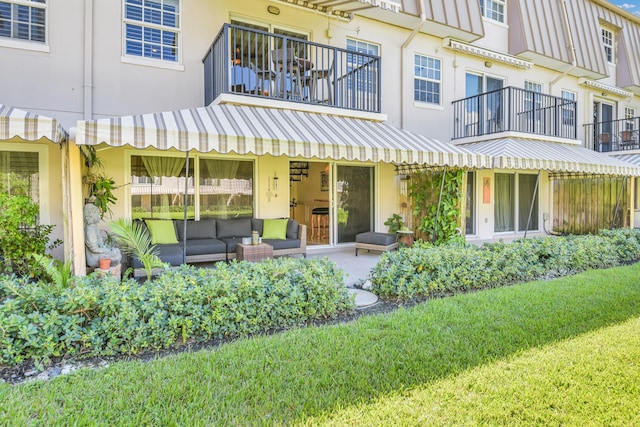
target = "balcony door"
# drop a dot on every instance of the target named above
(487, 111)
(603, 129)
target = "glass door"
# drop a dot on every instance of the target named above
(354, 201)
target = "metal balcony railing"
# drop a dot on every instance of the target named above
(516, 110)
(260, 64)
(613, 135)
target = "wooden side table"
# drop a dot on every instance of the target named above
(253, 252)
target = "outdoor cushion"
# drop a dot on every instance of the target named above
(233, 228)
(203, 229)
(162, 231)
(275, 229)
(232, 242)
(205, 246)
(282, 244)
(292, 229)
(373, 238)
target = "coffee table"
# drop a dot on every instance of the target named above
(253, 252)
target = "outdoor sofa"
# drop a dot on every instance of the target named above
(216, 239)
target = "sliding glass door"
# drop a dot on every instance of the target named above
(354, 200)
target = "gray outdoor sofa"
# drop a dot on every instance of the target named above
(216, 240)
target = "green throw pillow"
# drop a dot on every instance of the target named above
(275, 229)
(162, 231)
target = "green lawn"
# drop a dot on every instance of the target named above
(562, 352)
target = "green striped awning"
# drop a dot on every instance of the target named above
(27, 126)
(521, 153)
(245, 129)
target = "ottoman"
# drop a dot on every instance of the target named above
(374, 241)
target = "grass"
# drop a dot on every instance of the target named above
(561, 352)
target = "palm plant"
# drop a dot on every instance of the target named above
(135, 240)
(60, 273)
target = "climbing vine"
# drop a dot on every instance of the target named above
(435, 225)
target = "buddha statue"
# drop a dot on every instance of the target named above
(95, 248)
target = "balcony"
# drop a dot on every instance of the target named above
(259, 64)
(512, 109)
(613, 135)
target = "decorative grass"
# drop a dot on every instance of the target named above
(555, 352)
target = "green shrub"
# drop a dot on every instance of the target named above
(100, 315)
(427, 270)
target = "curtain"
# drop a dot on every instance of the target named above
(504, 202)
(220, 169)
(163, 166)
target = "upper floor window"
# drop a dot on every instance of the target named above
(493, 9)
(367, 79)
(607, 42)
(23, 20)
(630, 118)
(568, 108)
(152, 29)
(427, 79)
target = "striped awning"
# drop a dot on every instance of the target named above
(244, 130)
(519, 153)
(634, 159)
(25, 126)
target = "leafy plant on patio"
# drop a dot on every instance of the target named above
(22, 235)
(136, 240)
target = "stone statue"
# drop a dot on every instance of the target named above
(94, 246)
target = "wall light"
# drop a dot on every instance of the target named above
(488, 64)
(273, 10)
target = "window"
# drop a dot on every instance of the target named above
(19, 173)
(23, 20)
(568, 108)
(470, 214)
(493, 9)
(152, 29)
(629, 115)
(514, 194)
(368, 79)
(225, 188)
(427, 79)
(607, 42)
(484, 105)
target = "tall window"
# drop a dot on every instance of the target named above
(367, 80)
(152, 29)
(568, 108)
(470, 214)
(427, 79)
(493, 9)
(607, 42)
(158, 188)
(515, 199)
(629, 115)
(19, 174)
(485, 113)
(23, 20)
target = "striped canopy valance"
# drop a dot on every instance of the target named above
(520, 153)
(256, 130)
(27, 126)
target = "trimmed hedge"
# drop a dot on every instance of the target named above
(426, 270)
(100, 315)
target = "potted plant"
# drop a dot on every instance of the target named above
(100, 192)
(105, 263)
(396, 226)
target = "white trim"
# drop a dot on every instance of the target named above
(24, 44)
(149, 62)
(614, 90)
(485, 53)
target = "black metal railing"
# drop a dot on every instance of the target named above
(256, 63)
(516, 110)
(613, 135)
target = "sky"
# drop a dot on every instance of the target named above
(631, 6)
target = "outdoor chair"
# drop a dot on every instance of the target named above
(628, 139)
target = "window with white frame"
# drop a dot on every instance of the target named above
(152, 29)
(516, 202)
(629, 116)
(532, 102)
(568, 108)
(427, 79)
(367, 80)
(608, 43)
(23, 20)
(493, 9)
